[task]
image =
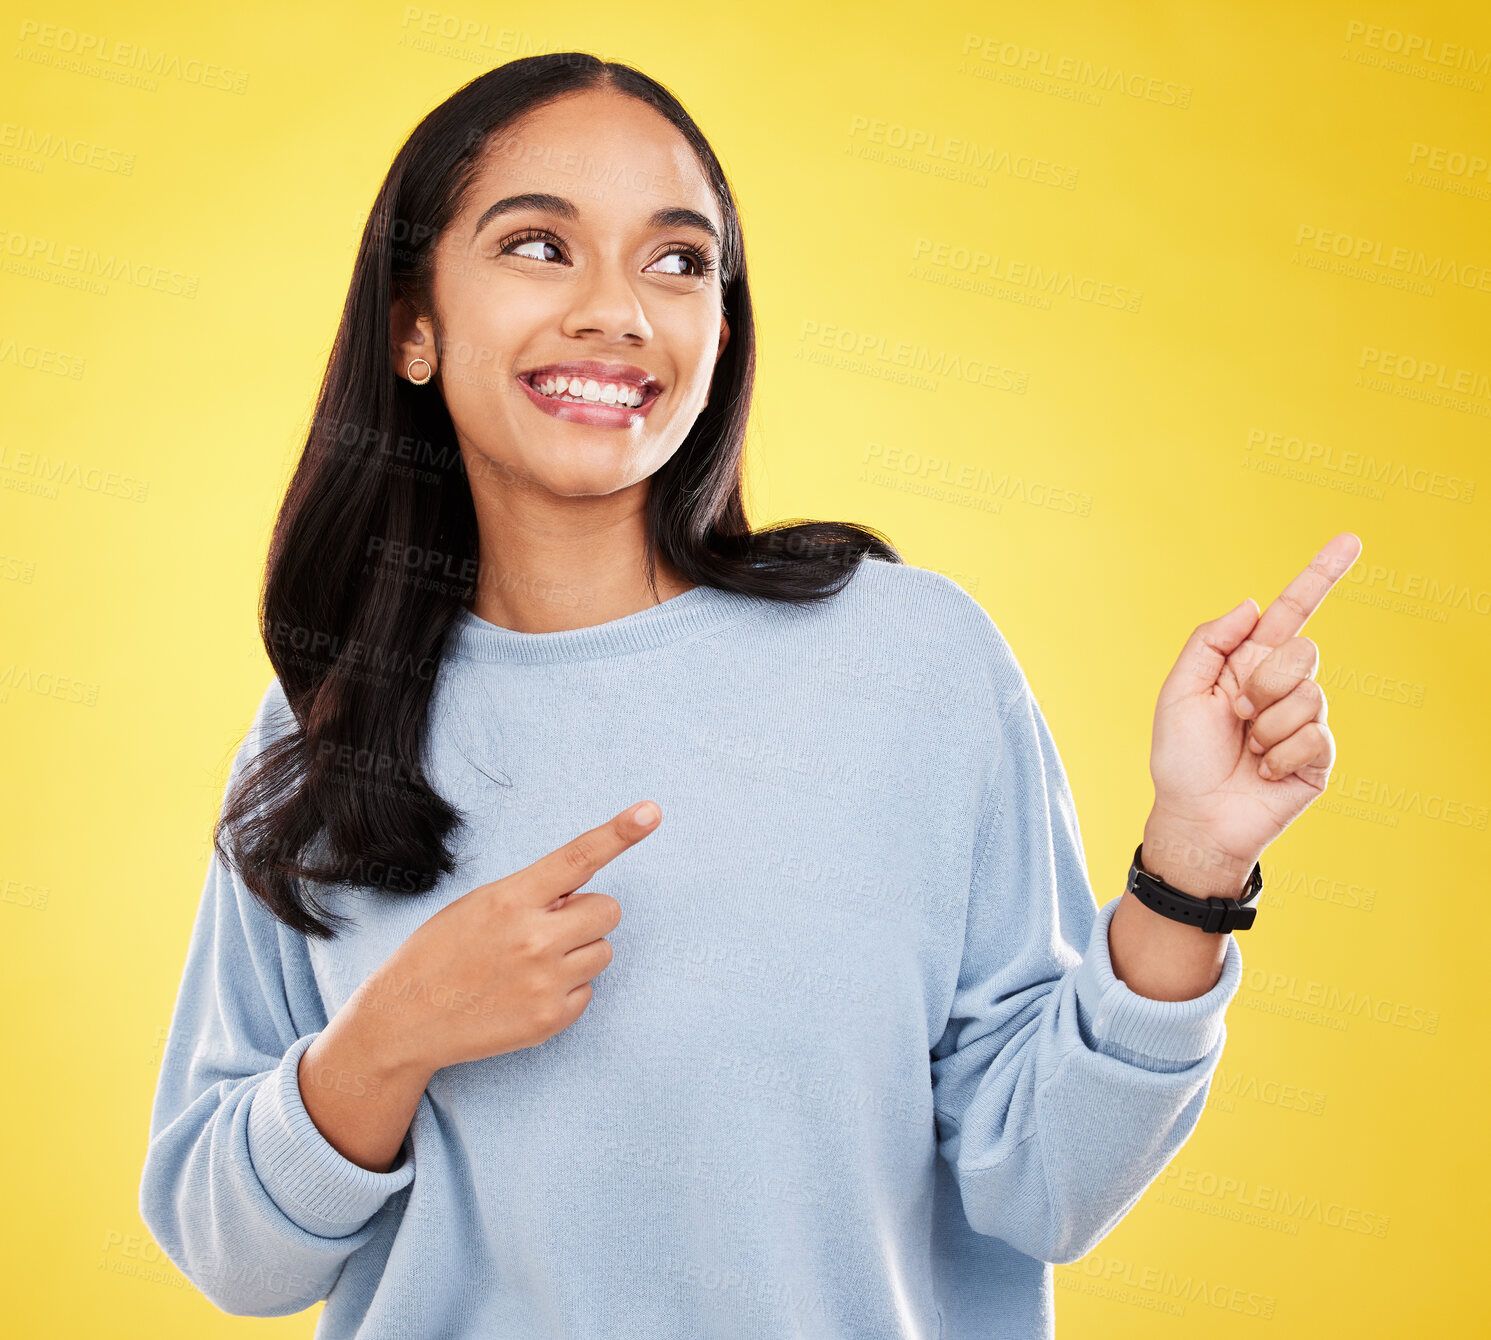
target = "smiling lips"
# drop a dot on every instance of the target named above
(608, 395)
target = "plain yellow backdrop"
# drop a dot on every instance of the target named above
(1112, 316)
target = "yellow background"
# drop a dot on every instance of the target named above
(1126, 487)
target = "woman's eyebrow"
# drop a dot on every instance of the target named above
(672, 217)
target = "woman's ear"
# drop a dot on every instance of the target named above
(413, 337)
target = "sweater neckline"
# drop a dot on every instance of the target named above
(694, 611)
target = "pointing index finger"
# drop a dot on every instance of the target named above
(1287, 615)
(567, 868)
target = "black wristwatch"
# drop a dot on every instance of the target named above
(1217, 915)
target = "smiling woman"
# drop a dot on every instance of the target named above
(546, 281)
(863, 1064)
(558, 216)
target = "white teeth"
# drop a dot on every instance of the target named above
(605, 393)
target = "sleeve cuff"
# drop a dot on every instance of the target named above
(317, 1187)
(1122, 1023)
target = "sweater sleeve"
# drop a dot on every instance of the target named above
(239, 1187)
(1059, 1093)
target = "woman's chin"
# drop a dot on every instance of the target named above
(588, 479)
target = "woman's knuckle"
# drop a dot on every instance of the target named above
(529, 945)
(548, 1008)
(577, 854)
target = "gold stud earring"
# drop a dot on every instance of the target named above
(429, 372)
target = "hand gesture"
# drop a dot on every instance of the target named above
(509, 964)
(1240, 745)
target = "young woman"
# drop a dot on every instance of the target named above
(841, 1043)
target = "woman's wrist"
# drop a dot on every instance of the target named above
(377, 1023)
(1189, 861)
(1154, 955)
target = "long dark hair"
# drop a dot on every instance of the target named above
(354, 630)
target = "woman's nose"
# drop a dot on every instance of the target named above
(607, 303)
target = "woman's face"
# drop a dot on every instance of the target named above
(611, 279)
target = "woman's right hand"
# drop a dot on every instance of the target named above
(507, 965)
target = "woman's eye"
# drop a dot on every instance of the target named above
(515, 248)
(686, 257)
(676, 263)
(701, 263)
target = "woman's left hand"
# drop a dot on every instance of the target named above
(1240, 745)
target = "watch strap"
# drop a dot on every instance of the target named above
(1214, 915)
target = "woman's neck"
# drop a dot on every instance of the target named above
(538, 598)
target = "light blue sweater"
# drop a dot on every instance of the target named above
(859, 1067)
